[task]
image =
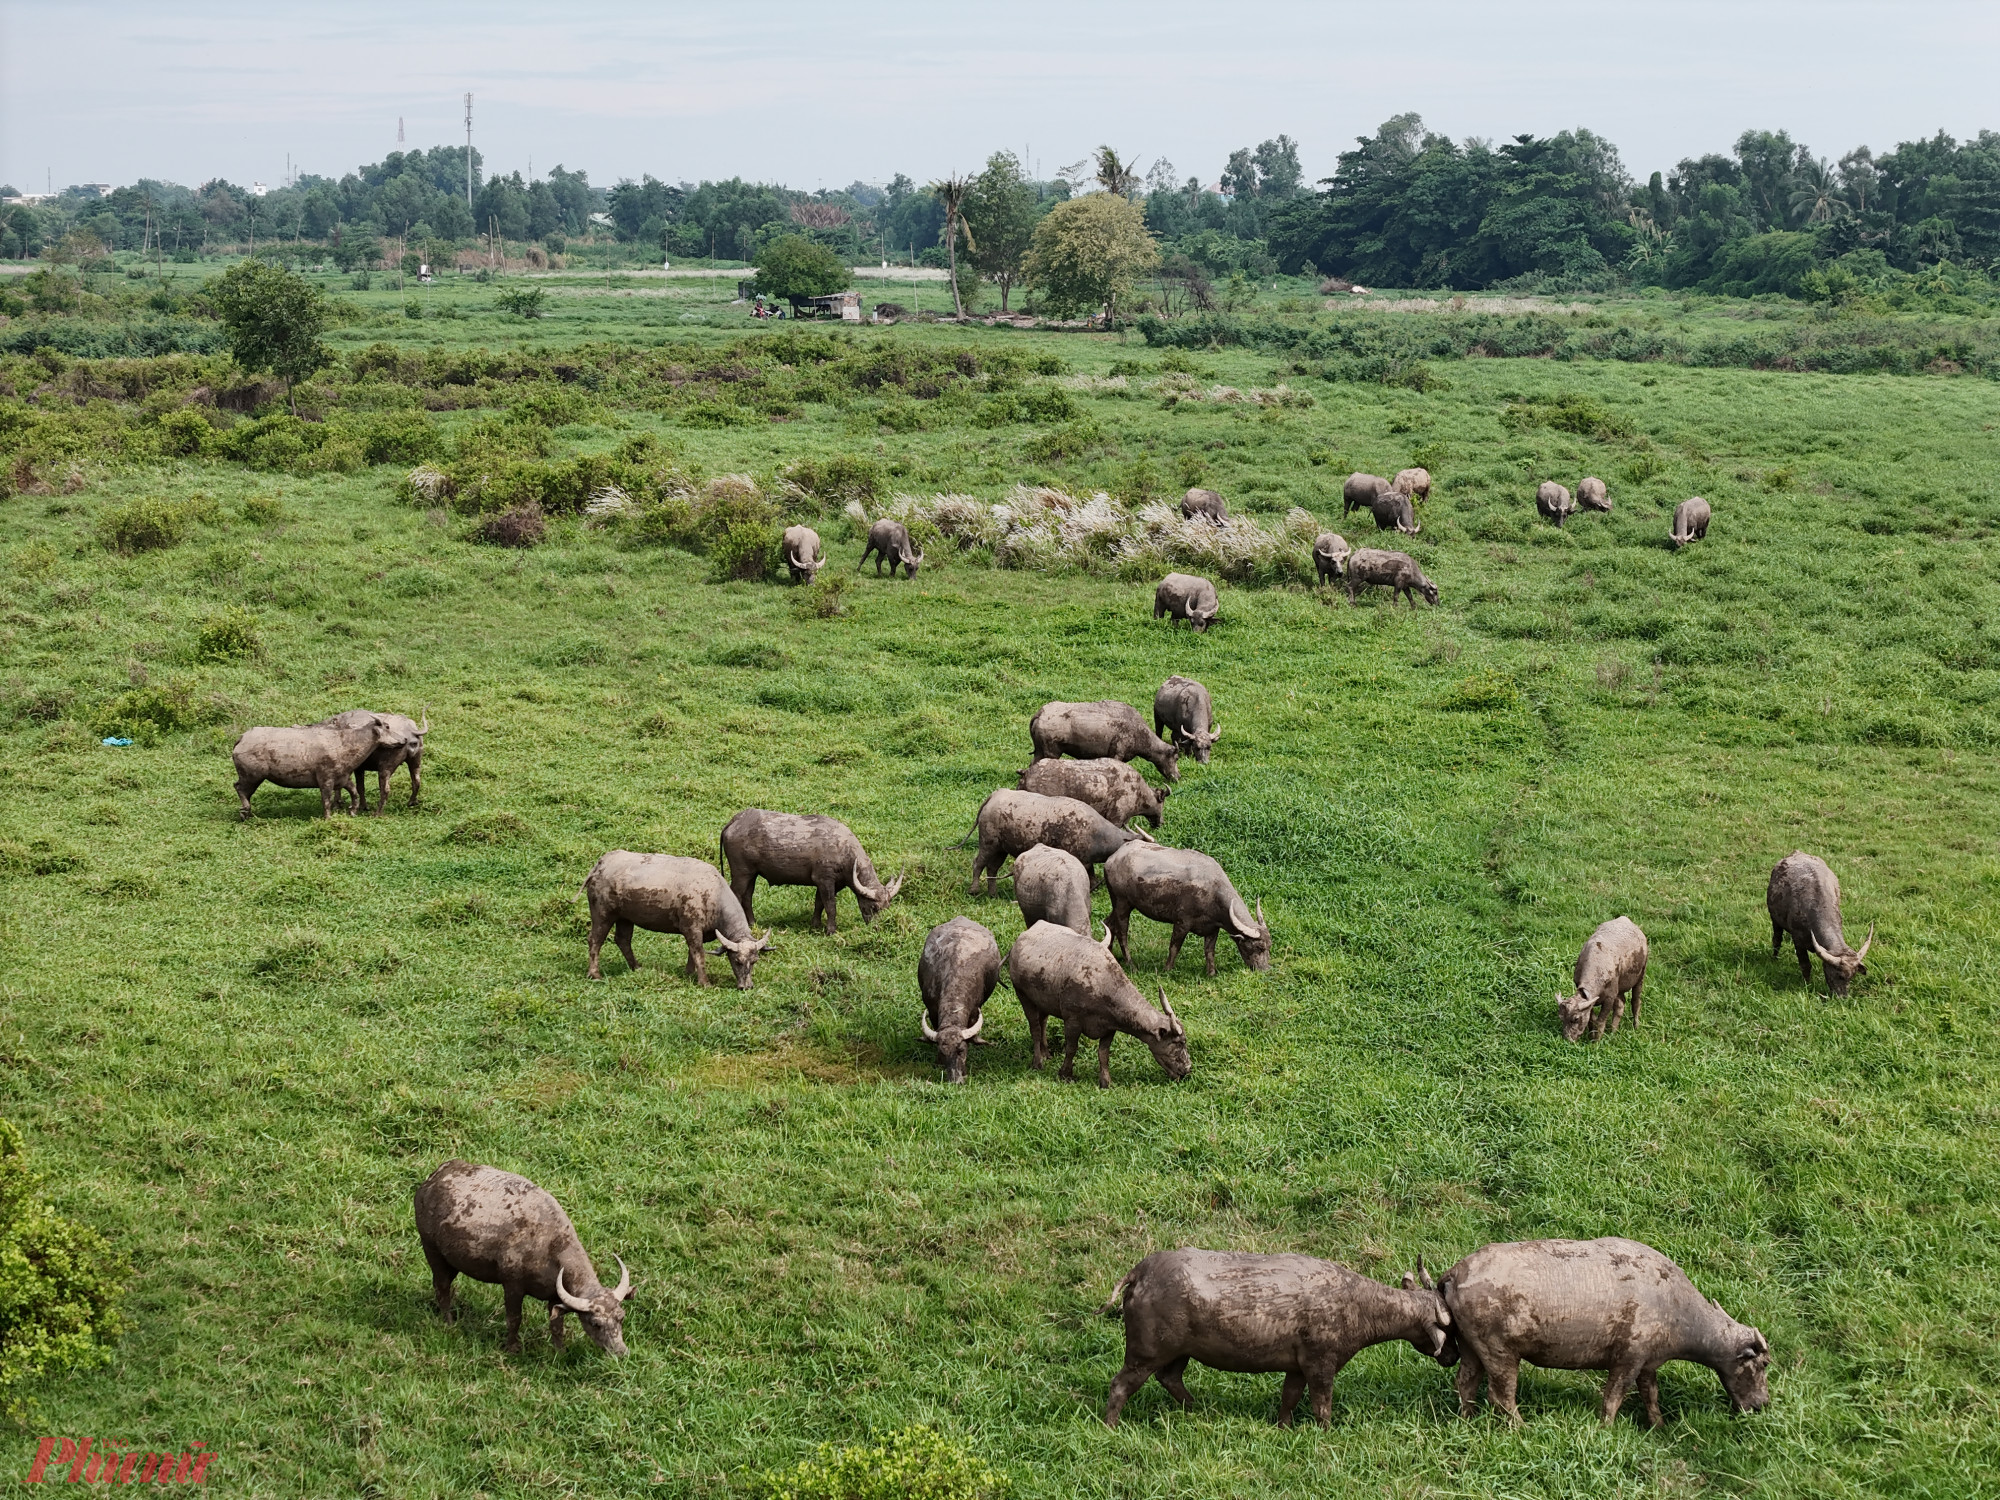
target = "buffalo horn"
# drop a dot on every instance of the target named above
(889, 890)
(1168, 1006)
(1864, 946)
(1261, 928)
(930, 1034)
(1425, 1276)
(570, 1300)
(976, 1025)
(624, 1287)
(1106, 944)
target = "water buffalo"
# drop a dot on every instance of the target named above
(1611, 1304)
(1051, 885)
(1690, 522)
(495, 1227)
(1263, 1314)
(956, 974)
(801, 551)
(795, 849)
(407, 751)
(1804, 901)
(666, 893)
(1064, 974)
(1206, 504)
(1416, 483)
(1591, 496)
(1330, 555)
(1393, 512)
(1117, 790)
(1611, 966)
(889, 541)
(1182, 713)
(1182, 596)
(1361, 491)
(1370, 565)
(1554, 502)
(1188, 891)
(1012, 822)
(1106, 728)
(317, 755)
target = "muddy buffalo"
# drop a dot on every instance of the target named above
(1611, 966)
(801, 551)
(1060, 973)
(1183, 713)
(407, 751)
(1051, 885)
(1205, 504)
(325, 756)
(1330, 552)
(666, 893)
(956, 973)
(1106, 728)
(1118, 791)
(1011, 823)
(808, 849)
(889, 541)
(1398, 570)
(1183, 596)
(1803, 899)
(1190, 893)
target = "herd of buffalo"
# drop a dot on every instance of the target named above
(1608, 1304)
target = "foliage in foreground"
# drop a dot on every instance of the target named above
(918, 1463)
(58, 1296)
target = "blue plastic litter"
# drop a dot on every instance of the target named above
(115, 741)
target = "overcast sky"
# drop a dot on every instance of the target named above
(818, 94)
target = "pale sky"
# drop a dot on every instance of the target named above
(818, 94)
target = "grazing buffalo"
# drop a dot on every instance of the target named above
(1393, 512)
(1106, 728)
(1263, 1314)
(1183, 713)
(889, 541)
(495, 1227)
(316, 755)
(1117, 790)
(1190, 893)
(1611, 966)
(1206, 504)
(1591, 496)
(956, 974)
(1064, 974)
(1361, 491)
(1371, 565)
(1416, 483)
(1051, 885)
(1182, 596)
(1554, 502)
(1613, 1305)
(1690, 522)
(801, 551)
(794, 849)
(1330, 555)
(666, 893)
(1804, 901)
(1010, 823)
(407, 751)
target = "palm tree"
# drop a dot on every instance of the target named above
(1113, 175)
(1818, 193)
(952, 193)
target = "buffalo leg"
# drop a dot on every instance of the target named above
(443, 1273)
(1804, 951)
(556, 1325)
(1649, 1388)
(1501, 1377)
(416, 780)
(600, 924)
(1208, 953)
(828, 898)
(1071, 1039)
(986, 861)
(1123, 1385)
(744, 889)
(1120, 922)
(1174, 944)
(1170, 1377)
(245, 785)
(1470, 1373)
(1616, 1384)
(1288, 1397)
(1777, 938)
(696, 967)
(513, 1344)
(1639, 985)
(1038, 1033)
(327, 796)
(623, 937)
(1104, 1062)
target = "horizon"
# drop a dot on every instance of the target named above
(225, 90)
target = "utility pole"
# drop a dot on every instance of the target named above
(399, 130)
(468, 150)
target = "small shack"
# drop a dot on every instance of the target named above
(843, 305)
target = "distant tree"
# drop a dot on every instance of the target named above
(635, 203)
(1088, 251)
(1239, 176)
(274, 318)
(795, 268)
(951, 193)
(1000, 209)
(1278, 172)
(1769, 162)
(1115, 176)
(1859, 181)
(1817, 197)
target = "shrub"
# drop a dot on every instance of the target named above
(822, 599)
(839, 479)
(917, 1463)
(745, 550)
(146, 713)
(495, 829)
(185, 434)
(519, 526)
(1482, 692)
(523, 301)
(227, 636)
(58, 1293)
(263, 510)
(148, 524)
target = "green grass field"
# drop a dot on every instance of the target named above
(236, 1048)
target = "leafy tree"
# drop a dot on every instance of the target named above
(1087, 252)
(1278, 172)
(274, 318)
(523, 301)
(951, 193)
(634, 205)
(1817, 197)
(1000, 209)
(1115, 176)
(795, 268)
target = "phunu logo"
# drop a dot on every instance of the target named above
(116, 1463)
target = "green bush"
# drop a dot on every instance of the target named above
(185, 434)
(146, 713)
(58, 1295)
(917, 1463)
(228, 635)
(523, 301)
(148, 524)
(746, 549)
(263, 510)
(1481, 692)
(495, 829)
(839, 479)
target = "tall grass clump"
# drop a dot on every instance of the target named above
(918, 1463)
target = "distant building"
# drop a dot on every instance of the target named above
(258, 190)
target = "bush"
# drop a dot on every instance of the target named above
(228, 635)
(185, 434)
(917, 1463)
(495, 829)
(839, 479)
(519, 526)
(822, 599)
(149, 524)
(523, 301)
(745, 550)
(146, 713)
(58, 1295)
